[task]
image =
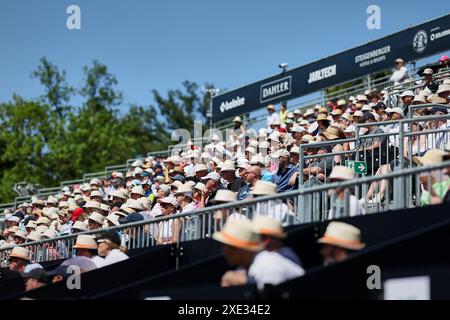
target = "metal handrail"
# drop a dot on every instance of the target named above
(277, 198)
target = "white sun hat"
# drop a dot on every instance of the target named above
(342, 173)
(239, 233)
(265, 225)
(264, 188)
(224, 195)
(342, 235)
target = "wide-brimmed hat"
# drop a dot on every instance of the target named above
(309, 112)
(184, 189)
(333, 133)
(267, 226)
(113, 218)
(322, 117)
(21, 234)
(443, 88)
(224, 195)
(21, 253)
(85, 241)
(137, 190)
(239, 233)
(97, 217)
(341, 173)
(342, 235)
(135, 205)
(79, 225)
(200, 167)
(361, 97)
(42, 220)
(36, 235)
(227, 167)
(264, 188)
(170, 200)
(92, 204)
(432, 156)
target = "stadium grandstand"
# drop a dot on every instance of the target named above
(293, 201)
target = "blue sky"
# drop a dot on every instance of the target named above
(159, 44)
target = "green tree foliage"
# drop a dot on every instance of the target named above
(47, 140)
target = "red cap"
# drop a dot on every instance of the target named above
(282, 130)
(76, 213)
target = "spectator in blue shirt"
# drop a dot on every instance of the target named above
(251, 175)
(285, 171)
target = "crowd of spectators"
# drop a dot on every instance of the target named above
(244, 165)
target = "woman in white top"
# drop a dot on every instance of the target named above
(400, 74)
(109, 248)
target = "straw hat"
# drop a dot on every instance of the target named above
(270, 107)
(333, 133)
(40, 229)
(224, 195)
(80, 226)
(97, 217)
(135, 205)
(85, 242)
(322, 117)
(295, 149)
(52, 200)
(342, 235)
(264, 188)
(200, 167)
(309, 112)
(176, 184)
(237, 119)
(317, 107)
(184, 189)
(113, 218)
(49, 233)
(307, 138)
(239, 233)
(35, 235)
(443, 88)
(323, 110)
(438, 100)
(433, 156)
(342, 173)
(104, 207)
(31, 224)
(170, 200)
(137, 190)
(419, 98)
(95, 193)
(336, 112)
(93, 204)
(268, 227)
(341, 102)
(20, 252)
(228, 167)
(42, 220)
(361, 97)
(21, 234)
